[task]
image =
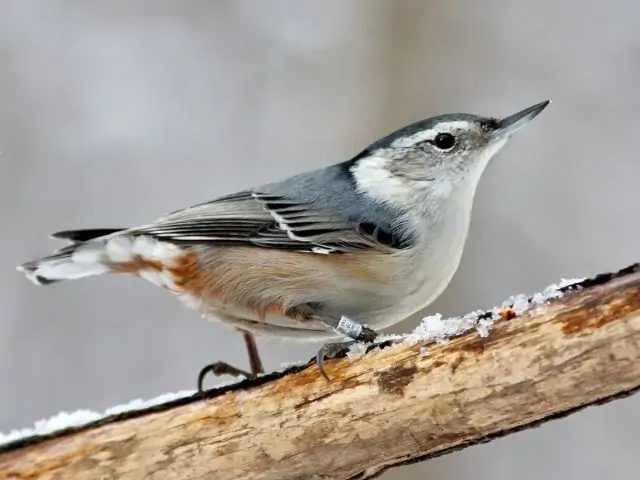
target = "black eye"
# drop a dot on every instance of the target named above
(444, 141)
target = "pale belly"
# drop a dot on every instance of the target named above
(417, 280)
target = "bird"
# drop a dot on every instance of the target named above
(340, 252)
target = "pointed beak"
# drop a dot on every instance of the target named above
(511, 124)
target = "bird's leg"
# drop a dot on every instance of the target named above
(254, 355)
(223, 368)
(343, 326)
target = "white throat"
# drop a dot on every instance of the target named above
(375, 179)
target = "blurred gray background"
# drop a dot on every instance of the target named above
(114, 112)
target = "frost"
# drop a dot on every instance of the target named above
(284, 366)
(483, 327)
(388, 337)
(57, 422)
(357, 350)
(566, 282)
(435, 328)
(441, 331)
(79, 418)
(519, 303)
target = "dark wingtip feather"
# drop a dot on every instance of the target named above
(85, 234)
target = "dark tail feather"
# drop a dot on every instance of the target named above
(78, 236)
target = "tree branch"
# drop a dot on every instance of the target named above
(393, 406)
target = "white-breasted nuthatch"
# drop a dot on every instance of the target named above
(371, 240)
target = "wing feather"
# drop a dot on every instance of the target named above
(253, 218)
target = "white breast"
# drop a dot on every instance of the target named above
(423, 272)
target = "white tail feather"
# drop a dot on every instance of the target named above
(63, 269)
(96, 257)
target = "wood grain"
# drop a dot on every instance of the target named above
(391, 407)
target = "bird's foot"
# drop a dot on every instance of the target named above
(350, 328)
(218, 369)
(222, 368)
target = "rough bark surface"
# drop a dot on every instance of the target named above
(393, 406)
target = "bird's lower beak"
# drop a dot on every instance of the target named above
(511, 124)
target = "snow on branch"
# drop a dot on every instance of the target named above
(448, 385)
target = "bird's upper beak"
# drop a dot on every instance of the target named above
(511, 124)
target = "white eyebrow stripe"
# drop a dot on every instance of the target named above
(429, 134)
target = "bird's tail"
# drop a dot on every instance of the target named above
(87, 255)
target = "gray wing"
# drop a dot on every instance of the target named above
(269, 220)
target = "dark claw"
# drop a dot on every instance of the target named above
(223, 368)
(320, 363)
(219, 369)
(333, 350)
